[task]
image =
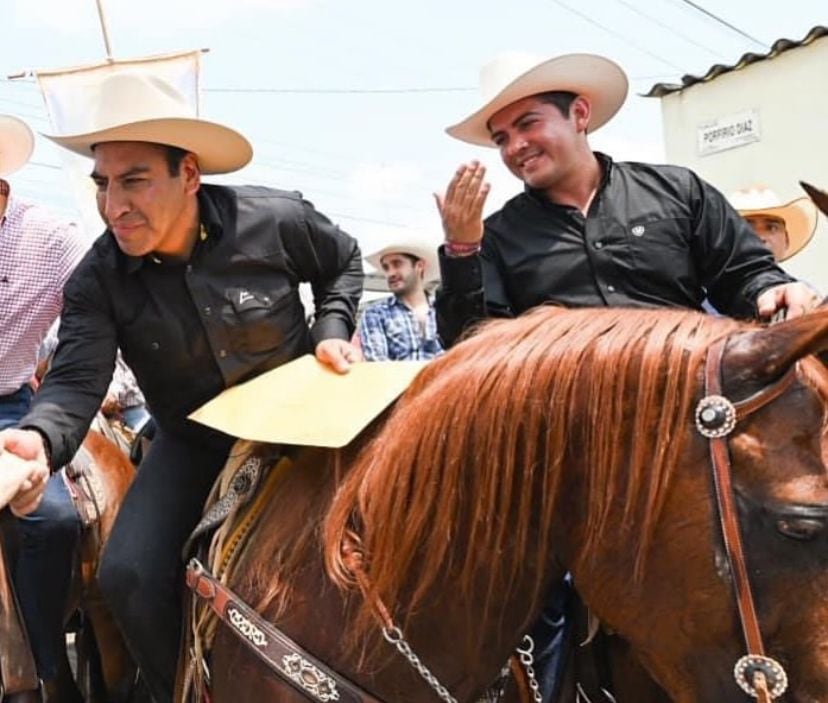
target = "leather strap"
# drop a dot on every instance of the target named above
(728, 514)
(283, 656)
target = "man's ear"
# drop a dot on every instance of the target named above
(190, 172)
(581, 112)
(419, 266)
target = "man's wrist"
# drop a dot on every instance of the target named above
(456, 249)
(47, 445)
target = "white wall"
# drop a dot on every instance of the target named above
(790, 93)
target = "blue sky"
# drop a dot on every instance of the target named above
(347, 101)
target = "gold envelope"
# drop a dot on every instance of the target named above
(306, 402)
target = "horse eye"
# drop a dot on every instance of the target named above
(802, 529)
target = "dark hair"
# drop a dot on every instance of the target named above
(562, 99)
(174, 157)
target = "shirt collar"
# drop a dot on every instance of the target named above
(209, 218)
(604, 161)
(394, 301)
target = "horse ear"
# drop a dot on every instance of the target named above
(763, 355)
(820, 197)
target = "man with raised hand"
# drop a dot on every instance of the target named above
(588, 231)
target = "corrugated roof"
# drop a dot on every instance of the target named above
(659, 90)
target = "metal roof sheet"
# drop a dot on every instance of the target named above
(780, 46)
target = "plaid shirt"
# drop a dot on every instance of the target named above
(39, 251)
(389, 331)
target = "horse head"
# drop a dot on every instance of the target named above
(565, 440)
(777, 454)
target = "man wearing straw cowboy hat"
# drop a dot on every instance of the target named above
(588, 231)
(402, 326)
(198, 286)
(40, 251)
(784, 228)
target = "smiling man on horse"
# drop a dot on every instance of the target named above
(198, 286)
(588, 231)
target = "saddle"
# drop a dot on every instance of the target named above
(81, 478)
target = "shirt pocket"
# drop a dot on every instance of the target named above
(660, 248)
(262, 321)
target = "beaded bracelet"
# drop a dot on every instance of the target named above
(462, 248)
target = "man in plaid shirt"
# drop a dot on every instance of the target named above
(402, 326)
(40, 251)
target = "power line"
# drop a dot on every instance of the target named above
(669, 28)
(727, 24)
(42, 165)
(22, 103)
(341, 91)
(618, 35)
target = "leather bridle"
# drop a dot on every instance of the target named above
(756, 673)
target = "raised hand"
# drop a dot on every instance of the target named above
(461, 208)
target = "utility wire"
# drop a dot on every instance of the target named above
(379, 91)
(670, 28)
(339, 91)
(625, 38)
(727, 24)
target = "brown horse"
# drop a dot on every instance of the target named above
(564, 440)
(105, 670)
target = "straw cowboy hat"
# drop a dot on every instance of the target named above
(513, 76)
(800, 215)
(137, 107)
(413, 247)
(16, 144)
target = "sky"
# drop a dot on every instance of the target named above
(347, 102)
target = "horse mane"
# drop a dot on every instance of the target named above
(463, 481)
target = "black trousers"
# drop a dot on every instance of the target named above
(141, 572)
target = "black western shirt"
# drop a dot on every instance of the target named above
(189, 330)
(654, 236)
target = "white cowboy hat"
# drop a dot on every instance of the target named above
(513, 76)
(800, 215)
(16, 144)
(415, 248)
(137, 107)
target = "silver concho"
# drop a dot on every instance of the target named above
(310, 678)
(715, 416)
(747, 667)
